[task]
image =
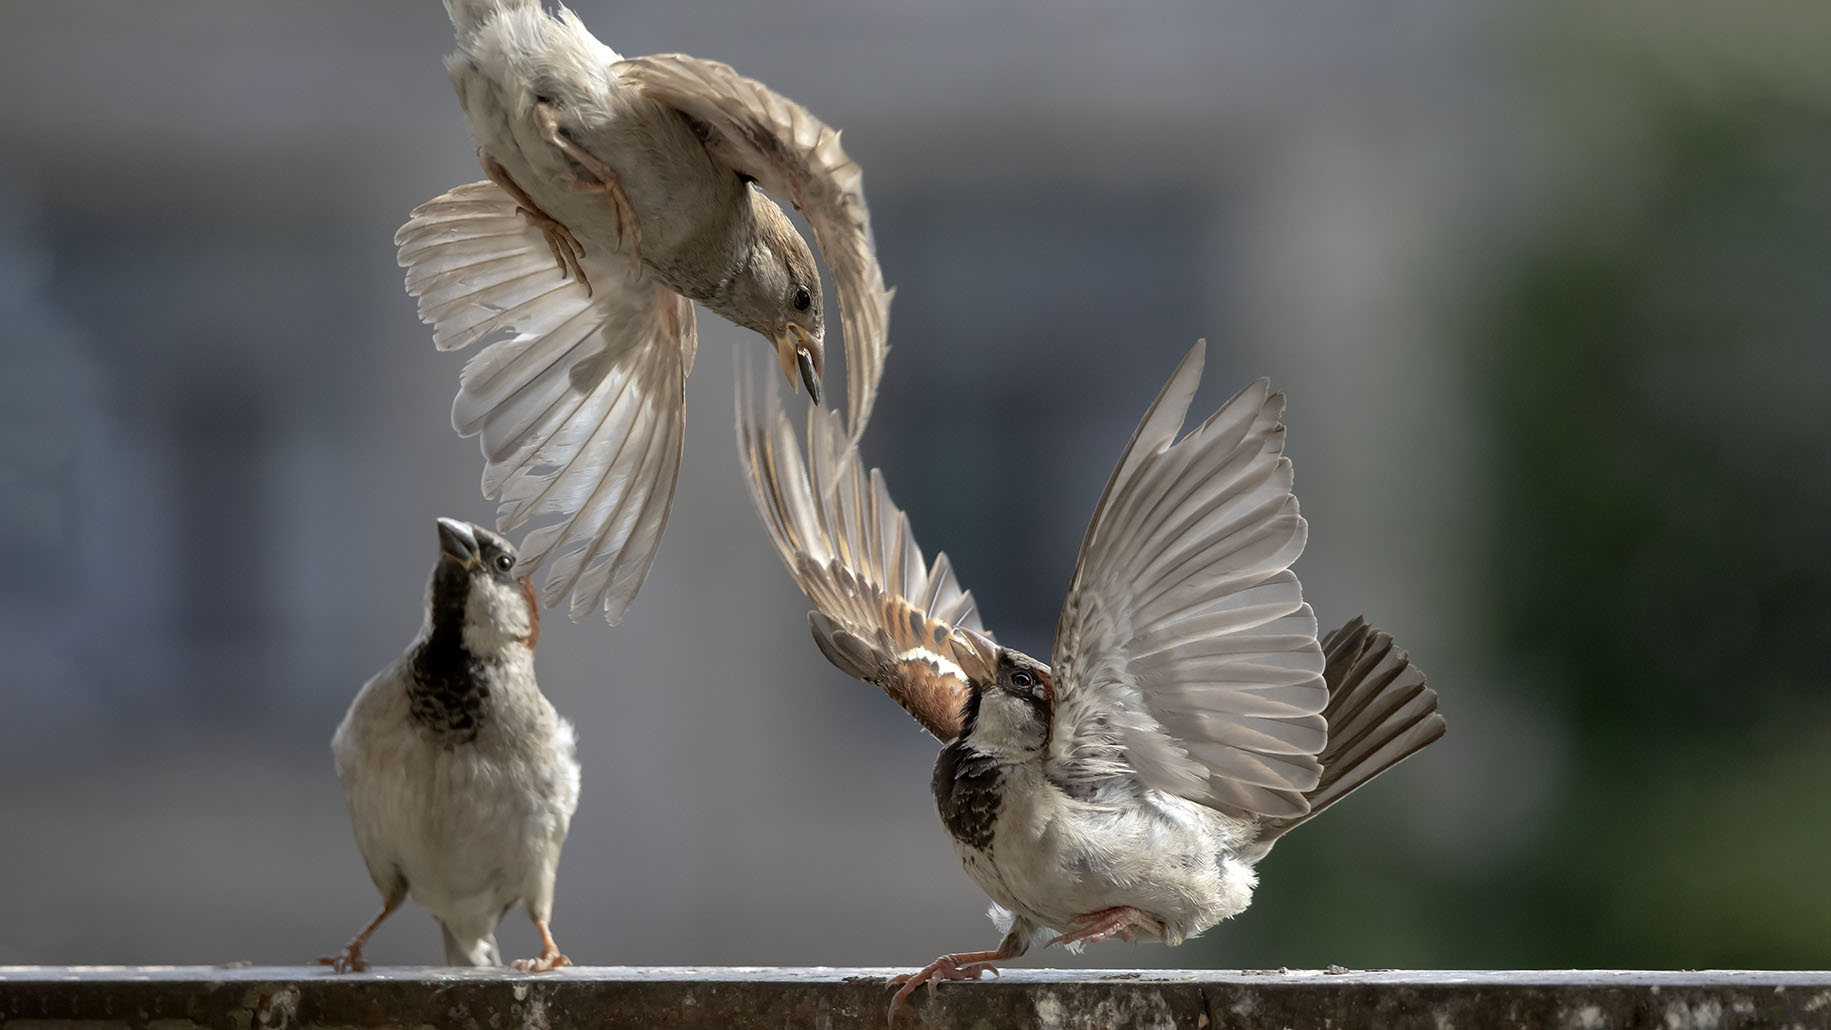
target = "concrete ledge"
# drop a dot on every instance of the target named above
(181, 998)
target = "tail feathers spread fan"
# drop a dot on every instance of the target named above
(1381, 711)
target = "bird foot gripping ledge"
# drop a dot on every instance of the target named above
(727, 998)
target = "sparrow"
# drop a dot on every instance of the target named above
(1191, 716)
(619, 191)
(460, 777)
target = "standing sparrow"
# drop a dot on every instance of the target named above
(620, 191)
(1191, 718)
(461, 779)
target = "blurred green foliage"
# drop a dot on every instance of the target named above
(1657, 372)
(1653, 367)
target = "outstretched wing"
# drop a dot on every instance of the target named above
(578, 401)
(794, 156)
(882, 615)
(1185, 652)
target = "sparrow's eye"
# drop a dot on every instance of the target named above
(504, 563)
(1023, 680)
(803, 299)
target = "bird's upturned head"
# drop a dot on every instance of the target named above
(777, 294)
(478, 592)
(1012, 697)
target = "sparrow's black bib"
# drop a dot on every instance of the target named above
(447, 686)
(968, 786)
(446, 692)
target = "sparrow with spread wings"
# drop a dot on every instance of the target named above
(620, 191)
(1191, 717)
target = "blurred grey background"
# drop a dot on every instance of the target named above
(1548, 285)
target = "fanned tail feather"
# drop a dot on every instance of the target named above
(1381, 711)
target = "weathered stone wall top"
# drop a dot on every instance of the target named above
(736, 998)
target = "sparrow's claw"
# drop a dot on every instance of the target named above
(629, 229)
(545, 963)
(1109, 922)
(549, 958)
(349, 960)
(566, 248)
(965, 966)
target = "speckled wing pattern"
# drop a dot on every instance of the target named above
(882, 615)
(577, 400)
(1185, 653)
(794, 157)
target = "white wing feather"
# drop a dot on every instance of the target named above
(1185, 651)
(577, 404)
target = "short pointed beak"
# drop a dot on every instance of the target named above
(456, 541)
(802, 355)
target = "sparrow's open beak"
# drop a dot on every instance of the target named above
(802, 354)
(457, 542)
